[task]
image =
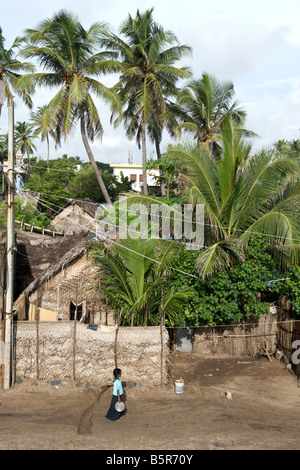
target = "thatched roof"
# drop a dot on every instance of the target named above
(87, 206)
(68, 250)
(39, 257)
(37, 252)
(69, 257)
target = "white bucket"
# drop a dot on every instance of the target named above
(179, 386)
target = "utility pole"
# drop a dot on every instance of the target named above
(10, 248)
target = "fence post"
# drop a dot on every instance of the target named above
(100, 307)
(161, 339)
(37, 343)
(74, 335)
(116, 337)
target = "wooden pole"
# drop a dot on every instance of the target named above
(57, 303)
(100, 309)
(146, 313)
(74, 336)
(10, 255)
(116, 337)
(37, 343)
(161, 339)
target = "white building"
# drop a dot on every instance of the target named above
(134, 173)
(20, 171)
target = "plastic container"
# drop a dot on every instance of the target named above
(179, 386)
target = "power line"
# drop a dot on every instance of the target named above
(140, 254)
(182, 220)
(129, 249)
(191, 275)
(234, 325)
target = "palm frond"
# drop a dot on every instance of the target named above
(219, 257)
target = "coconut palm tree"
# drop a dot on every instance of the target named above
(72, 62)
(3, 147)
(24, 137)
(45, 129)
(243, 195)
(148, 55)
(10, 69)
(134, 274)
(202, 107)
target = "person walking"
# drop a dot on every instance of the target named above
(112, 413)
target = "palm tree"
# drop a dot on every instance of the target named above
(24, 139)
(148, 54)
(243, 195)
(71, 61)
(134, 275)
(3, 147)
(44, 129)
(10, 69)
(202, 107)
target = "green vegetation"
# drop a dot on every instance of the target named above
(241, 292)
(251, 201)
(135, 278)
(63, 180)
(148, 54)
(70, 60)
(26, 213)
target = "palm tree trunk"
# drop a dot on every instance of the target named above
(145, 187)
(48, 153)
(168, 191)
(158, 154)
(93, 163)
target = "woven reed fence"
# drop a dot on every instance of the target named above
(245, 339)
(72, 350)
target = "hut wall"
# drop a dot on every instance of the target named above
(73, 219)
(70, 284)
(286, 327)
(246, 339)
(70, 350)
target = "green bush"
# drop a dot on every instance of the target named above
(25, 212)
(242, 292)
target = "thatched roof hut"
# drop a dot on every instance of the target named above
(36, 253)
(77, 217)
(65, 289)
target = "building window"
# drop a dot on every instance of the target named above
(141, 178)
(132, 178)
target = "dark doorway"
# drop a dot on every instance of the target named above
(73, 311)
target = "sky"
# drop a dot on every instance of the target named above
(256, 45)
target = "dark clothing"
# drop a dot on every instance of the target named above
(112, 413)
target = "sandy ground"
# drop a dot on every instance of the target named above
(263, 414)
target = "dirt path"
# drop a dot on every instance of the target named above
(264, 411)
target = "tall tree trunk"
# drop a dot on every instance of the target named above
(158, 154)
(157, 148)
(93, 163)
(48, 153)
(145, 186)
